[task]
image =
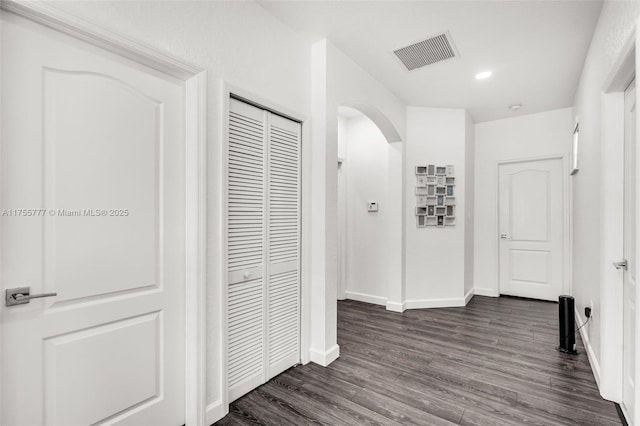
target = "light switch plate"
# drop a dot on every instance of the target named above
(372, 206)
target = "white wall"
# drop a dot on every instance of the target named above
(435, 257)
(342, 207)
(366, 155)
(238, 42)
(469, 202)
(526, 136)
(591, 277)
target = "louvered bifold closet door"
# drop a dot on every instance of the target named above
(283, 259)
(246, 247)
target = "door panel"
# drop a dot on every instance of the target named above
(629, 249)
(530, 266)
(284, 245)
(133, 346)
(246, 244)
(529, 197)
(531, 215)
(245, 337)
(130, 245)
(94, 145)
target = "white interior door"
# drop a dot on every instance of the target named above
(92, 198)
(531, 217)
(629, 250)
(263, 246)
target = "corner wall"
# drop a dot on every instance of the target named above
(435, 257)
(527, 136)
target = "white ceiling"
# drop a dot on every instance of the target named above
(536, 49)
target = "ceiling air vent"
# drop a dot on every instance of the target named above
(427, 52)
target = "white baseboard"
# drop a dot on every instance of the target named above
(367, 298)
(396, 306)
(325, 358)
(434, 303)
(490, 292)
(468, 296)
(215, 411)
(595, 367)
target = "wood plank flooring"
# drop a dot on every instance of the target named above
(492, 362)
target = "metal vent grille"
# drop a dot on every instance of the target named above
(427, 52)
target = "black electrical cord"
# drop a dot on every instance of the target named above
(578, 329)
(585, 323)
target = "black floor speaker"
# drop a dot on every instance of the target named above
(567, 324)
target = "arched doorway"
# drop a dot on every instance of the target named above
(369, 205)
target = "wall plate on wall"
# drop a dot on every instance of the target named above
(372, 206)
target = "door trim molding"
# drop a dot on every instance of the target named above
(566, 214)
(195, 158)
(52, 17)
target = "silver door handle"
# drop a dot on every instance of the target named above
(503, 236)
(22, 295)
(621, 265)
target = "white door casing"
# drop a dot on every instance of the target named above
(629, 346)
(86, 131)
(531, 228)
(263, 246)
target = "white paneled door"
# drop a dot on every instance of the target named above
(92, 201)
(263, 246)
(629, 265)
(531, 236)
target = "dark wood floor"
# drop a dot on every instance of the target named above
(490, 363)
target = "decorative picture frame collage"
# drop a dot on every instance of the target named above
(435, 196)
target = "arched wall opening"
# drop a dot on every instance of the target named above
(366, 139)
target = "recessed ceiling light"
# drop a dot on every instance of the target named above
(482, 75)
(515, 107)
